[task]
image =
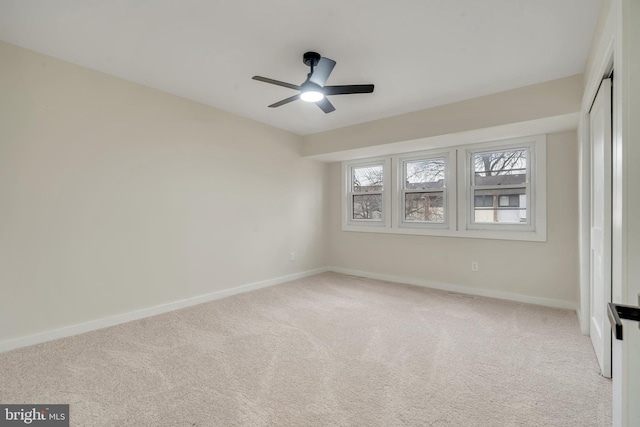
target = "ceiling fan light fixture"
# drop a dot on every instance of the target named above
(311, 96)
(314, 89)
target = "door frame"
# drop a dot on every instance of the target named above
(604, 353)
(615, 46)
(605, 68)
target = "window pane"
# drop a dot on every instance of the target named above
(424, 174)
(485, 201)
(489, 207)
(427, 207)
(500, 167)
(367, 206)
(367, 178)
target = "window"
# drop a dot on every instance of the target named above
(366, 191)
(494, 190)
(423, 190)
(500, 187)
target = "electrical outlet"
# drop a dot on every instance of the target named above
(474, 265)
(292, 256)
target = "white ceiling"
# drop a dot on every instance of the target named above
(418, 53)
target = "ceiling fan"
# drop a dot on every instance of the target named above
(313, 89)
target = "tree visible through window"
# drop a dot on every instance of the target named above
(500, 186)
(423, 190)
(490, 189)
(366, 192)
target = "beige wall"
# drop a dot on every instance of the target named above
(541, 270)
(554, 98)
(115, 197)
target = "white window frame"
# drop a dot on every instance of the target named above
(535, 229)
(347, 177)
(449, 190)
(458, 194)
(529, 225)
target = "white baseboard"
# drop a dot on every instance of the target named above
(460, 289)
(164, 308)
(584, 323)
(93, 325)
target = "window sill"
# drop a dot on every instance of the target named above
(530, 236)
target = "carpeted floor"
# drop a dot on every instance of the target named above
(328, 350)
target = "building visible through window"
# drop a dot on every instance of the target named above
(493, 189)
(500, 183)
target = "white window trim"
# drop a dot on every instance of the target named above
(536, 227)
(459, 201)
(347, 201)
(449, 191)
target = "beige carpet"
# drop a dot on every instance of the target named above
(329, 350)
